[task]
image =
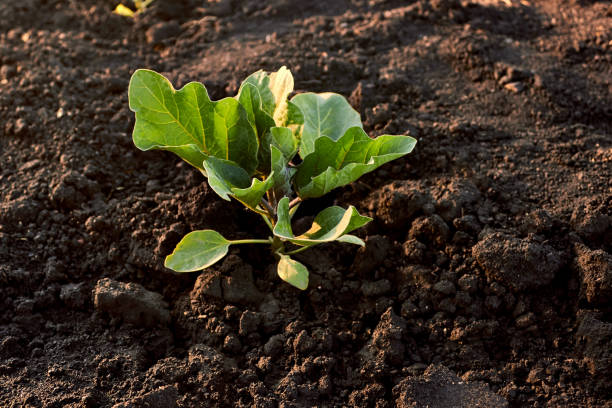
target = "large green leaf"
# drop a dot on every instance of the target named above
(329, 225)
(337, 163)
(228, 179)
(197, 250)
(293, 272)
(325, 114)
(250, 99)
(188, 123)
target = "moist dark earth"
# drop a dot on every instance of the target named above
(487, 276)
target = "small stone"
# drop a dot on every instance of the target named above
(430, 229)
(20, 127)
(590, 222)
(595, 270)
(515, 87)
(131, 302)
(208, 284)
(521, 264)
(455, 198)
(387, 337)
(469, 283)
(468, 224)
(303, 343)
(73, 295)
(445, 287)
(249, 321)
(232, 344)
(537, 222)
(414, 251)
(525, 321)
(274, 345)
(153, 186)
(594, 340)
(7, 71)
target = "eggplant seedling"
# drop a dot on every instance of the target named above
(268, 152)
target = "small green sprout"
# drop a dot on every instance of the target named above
(267, 151)
(125, 11)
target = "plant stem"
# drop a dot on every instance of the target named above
(295, 202)
(252, 241)
(297, 251)
(267, 221)
(268, 207)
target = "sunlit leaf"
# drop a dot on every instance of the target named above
(329, 225)
(228, 179)
(197, 250)
(325, 114)
(337, 163)
(123, 11)
(293, 272)
(187, 121)
(351, 239)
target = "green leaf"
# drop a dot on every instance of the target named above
(261, 81)
(228, 179)
(325, 114)
(281, 85)
(188, 123)
(281, 172)
(329, 225)
(337, 163)
(250, 99)
(351, 239)
(295, 120)
(293, 272)
(284, 139)
(197, 250)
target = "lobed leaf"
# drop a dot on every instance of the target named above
(293, 272)
(334, 164)
(228, 179)
(329, 225)
(197, 250)
(325, 114)
(188, 123)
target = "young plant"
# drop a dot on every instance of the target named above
(265, 150)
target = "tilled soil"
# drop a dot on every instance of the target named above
(487, 278)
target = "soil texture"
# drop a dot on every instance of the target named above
(487, 276)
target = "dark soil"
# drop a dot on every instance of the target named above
(487, 279)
